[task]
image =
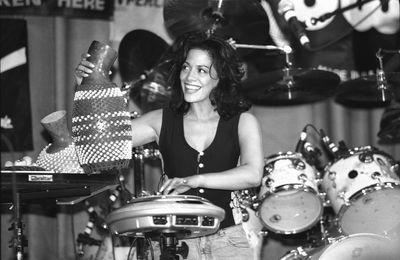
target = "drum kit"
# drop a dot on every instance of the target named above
(361, 185)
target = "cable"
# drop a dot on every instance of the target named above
(151, 248)
(17, 224)
(112, 246)
(73, 236)
(130, 249)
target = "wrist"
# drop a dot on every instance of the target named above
(197, 181)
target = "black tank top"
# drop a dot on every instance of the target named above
(181, 160)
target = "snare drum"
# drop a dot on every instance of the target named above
(364, 192)
(289, 200)
(362, 246)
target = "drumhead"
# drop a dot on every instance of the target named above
(290, 211)
(362, 246)
(374, 210)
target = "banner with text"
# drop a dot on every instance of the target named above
(138, 14)
(92, 9)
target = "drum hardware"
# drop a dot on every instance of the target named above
(329, 145)
(366, 157)
(290, 86)
(243, 20)
(85, 237)
(325, 201)
(302, 177)
(370, 91)
(342, 195)
(246, 199)
(376, 176)
(389, 131)
(140, 155)
(170, 249)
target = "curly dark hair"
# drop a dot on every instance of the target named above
(227, 96)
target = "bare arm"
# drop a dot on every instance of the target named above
(146, 128)
(247, 174)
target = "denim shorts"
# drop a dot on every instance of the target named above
(228, 243)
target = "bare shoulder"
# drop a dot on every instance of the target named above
(247, 118)
(152, 119)
(152, 115)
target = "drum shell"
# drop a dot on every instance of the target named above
(364, 193)
(361, 246)
(336, 180)
(286, 173)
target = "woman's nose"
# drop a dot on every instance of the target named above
(191, 74)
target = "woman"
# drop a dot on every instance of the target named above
(209, 143)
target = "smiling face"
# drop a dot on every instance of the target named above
(198, 76)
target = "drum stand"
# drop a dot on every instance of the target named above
(170, 249)
(138, 171)
(168, 241)
(19, 240)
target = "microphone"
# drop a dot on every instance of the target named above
(286, 9)
(302, 140)
(309, 148)
(311, 154)
(329, 144)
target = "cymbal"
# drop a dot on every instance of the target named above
(389, 131)
(290, 86)
(363, 92)
(139, 51)
(154, 90)
(243, 20)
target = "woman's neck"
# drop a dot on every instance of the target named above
(200, 111)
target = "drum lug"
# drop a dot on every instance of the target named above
(263, 233)
(366, 157)
(268, 182)
(332, 175)
(301, 251)
(245, 215)
(255, 205)
(376, 176)
(325, 201)
(302, 177)
(298, 164)
(342, 195)
(268, 169)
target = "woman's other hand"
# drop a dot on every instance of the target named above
(176, 186)
(83, 69)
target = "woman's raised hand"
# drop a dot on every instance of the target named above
(83, 69)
